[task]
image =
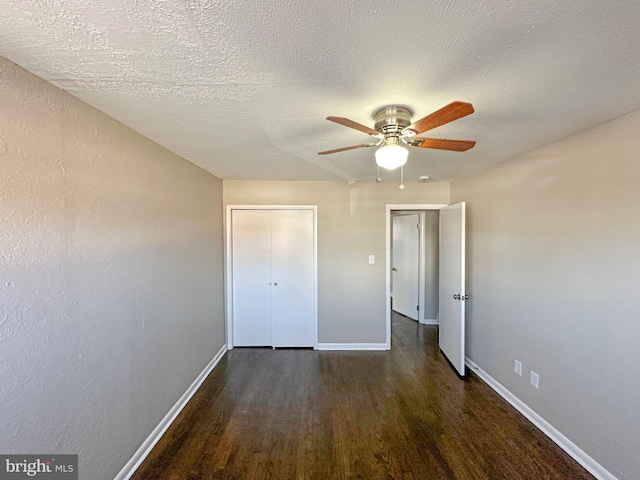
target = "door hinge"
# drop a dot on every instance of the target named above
(418, 307)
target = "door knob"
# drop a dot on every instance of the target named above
(394, 269)
(275, 284)
(456, 296)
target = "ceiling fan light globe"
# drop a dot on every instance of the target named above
(391, 156)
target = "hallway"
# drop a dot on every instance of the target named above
(403, 414)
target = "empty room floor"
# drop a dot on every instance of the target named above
(302, 414)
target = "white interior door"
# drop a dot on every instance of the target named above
(405, 270)
(292, 243)
(251, 250)
(452, 284)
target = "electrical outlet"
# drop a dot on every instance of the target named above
(535, 379)
(372, 259)
(517, 367)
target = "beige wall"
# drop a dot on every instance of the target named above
(554, 275)
(110, 277)
(431, 264)
(351, 226)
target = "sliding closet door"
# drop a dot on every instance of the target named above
(251, 250)
(292, 239)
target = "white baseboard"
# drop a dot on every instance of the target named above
(353, 346)
(429, 321)
(132, 465)
(549, 430)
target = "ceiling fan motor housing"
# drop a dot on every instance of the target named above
(392, 119)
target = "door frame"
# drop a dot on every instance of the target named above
(389, 208)
(228, 284)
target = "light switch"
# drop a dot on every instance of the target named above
(372, 259)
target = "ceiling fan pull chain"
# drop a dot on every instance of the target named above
(378, 179)
(401, 187)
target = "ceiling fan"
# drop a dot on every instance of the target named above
(393, 129)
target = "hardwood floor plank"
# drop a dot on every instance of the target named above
(307, 415)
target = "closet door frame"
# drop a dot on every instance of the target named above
(228, 281)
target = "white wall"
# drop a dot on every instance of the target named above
(554, 275)
(351, 226)
(110, 278)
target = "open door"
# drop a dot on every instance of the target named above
(405, 271)
(452, 285)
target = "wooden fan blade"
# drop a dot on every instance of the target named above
(352, 147)
(442, 144)
(446, 114)
(351, 124)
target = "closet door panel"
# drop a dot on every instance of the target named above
(292, 239)
(251, 251)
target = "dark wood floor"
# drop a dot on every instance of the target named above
(403, 414)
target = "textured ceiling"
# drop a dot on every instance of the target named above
(242, 87)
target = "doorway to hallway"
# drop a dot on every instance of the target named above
(414, 264)
(446, 287)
